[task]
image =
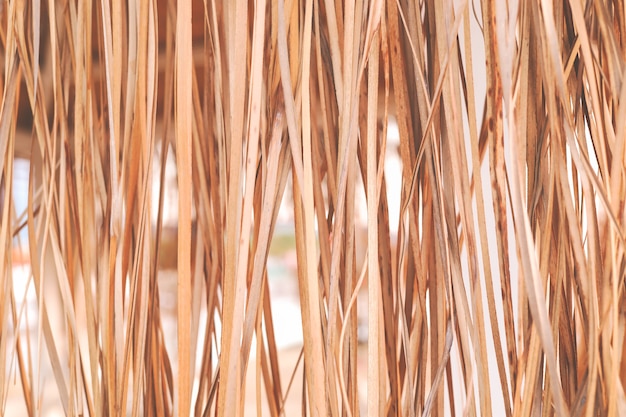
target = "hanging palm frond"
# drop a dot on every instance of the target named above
(459, 165)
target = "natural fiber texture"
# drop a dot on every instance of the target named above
(499, 290)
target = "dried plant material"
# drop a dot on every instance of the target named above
(450, 175)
